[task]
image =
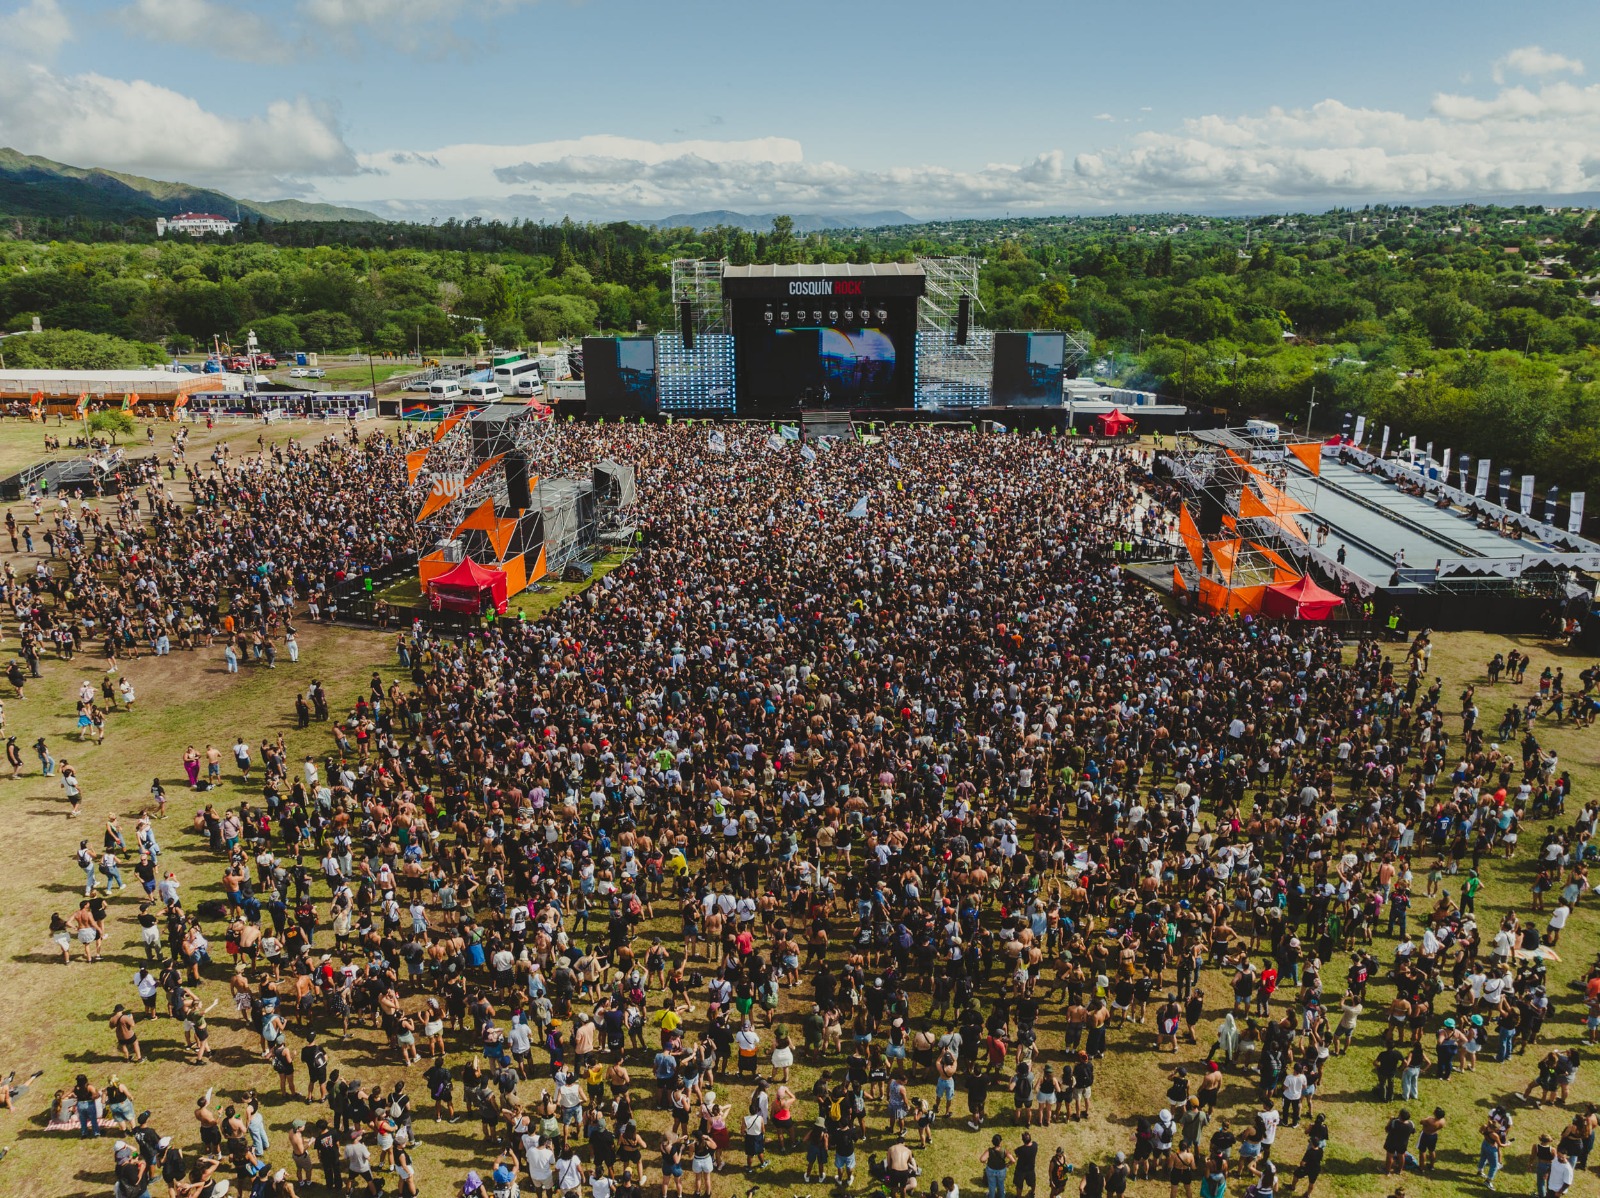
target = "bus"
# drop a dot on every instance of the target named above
(519, 378)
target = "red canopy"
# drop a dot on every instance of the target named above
(1302, 599)
(1115, 422)
(461, 589)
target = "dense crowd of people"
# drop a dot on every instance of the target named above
(926, 801)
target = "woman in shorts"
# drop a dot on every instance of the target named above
(703, 1162)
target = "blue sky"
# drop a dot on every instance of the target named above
(610, 108)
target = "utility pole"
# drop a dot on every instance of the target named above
(1311, 409)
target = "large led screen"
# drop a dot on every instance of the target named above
(1028, 369)
(619, 375)
(809, 363)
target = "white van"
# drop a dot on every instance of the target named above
(519, 378)
(484, 393)
(444, 389)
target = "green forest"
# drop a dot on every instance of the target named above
(1471, 326)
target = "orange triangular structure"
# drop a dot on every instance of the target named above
(1231, 523)
(1191, 536)
(414, 461)
(1177, 580)
(483, 468)
(1246, 465)
(500, 535)
(1310, 455)
(1282, 571)
(444, 492)
(1281, 503)
(448, 423)
(480, 517)
(1224, 553)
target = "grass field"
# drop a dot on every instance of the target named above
(53, 1016)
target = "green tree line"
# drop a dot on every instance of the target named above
(1470, 326)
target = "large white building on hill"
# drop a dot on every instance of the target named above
(194, 224)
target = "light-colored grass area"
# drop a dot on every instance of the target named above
(22, 441)
(52, 1016)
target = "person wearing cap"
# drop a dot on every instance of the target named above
(358, 1163)
(132, 1174)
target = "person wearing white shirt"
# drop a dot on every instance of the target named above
(1269, 1120)
(1561, 1175)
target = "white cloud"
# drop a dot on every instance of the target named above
(1537, 141)
(409, 24)
(1533, 60)
(37, 30)
(1104, 116)
(142, 127)
(220, 28)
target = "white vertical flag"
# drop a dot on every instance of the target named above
(1480, 488)
(1575, 514)
(1527, 495)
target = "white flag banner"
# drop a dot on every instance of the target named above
(718, 443)
(1480, 488)
(1444, 467)
(1361, 429)
(859, 512)
(894, 461)
(789, 432)
(775, 442)
(808, 453)
(1575, 515)
(1527, 495)
(1384, 451)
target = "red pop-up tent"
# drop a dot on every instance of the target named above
(465, 588)
(1115, 422)
(1302, 599)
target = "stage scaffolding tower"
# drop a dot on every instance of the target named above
(698, 282)
(951, 375)
(699, 379)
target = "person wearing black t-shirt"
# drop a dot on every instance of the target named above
(977, 1098)
(315, 1058)
(843, 1140)
(1310, 1166)
(1023, 1177)
(1396, 1139)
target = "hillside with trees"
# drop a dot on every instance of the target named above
(1472, 326)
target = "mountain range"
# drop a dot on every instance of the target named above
(38, 187)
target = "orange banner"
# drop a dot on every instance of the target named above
(1310, 455)
(1224, 553)
(414, 462)
(482, 469)
(1177, 580)
(1191, 536)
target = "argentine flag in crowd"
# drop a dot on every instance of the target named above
(859, 512)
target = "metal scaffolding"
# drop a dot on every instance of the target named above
(698, 282)
(948, 279)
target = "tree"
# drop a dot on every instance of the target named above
(69, 349)
(113, 422)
